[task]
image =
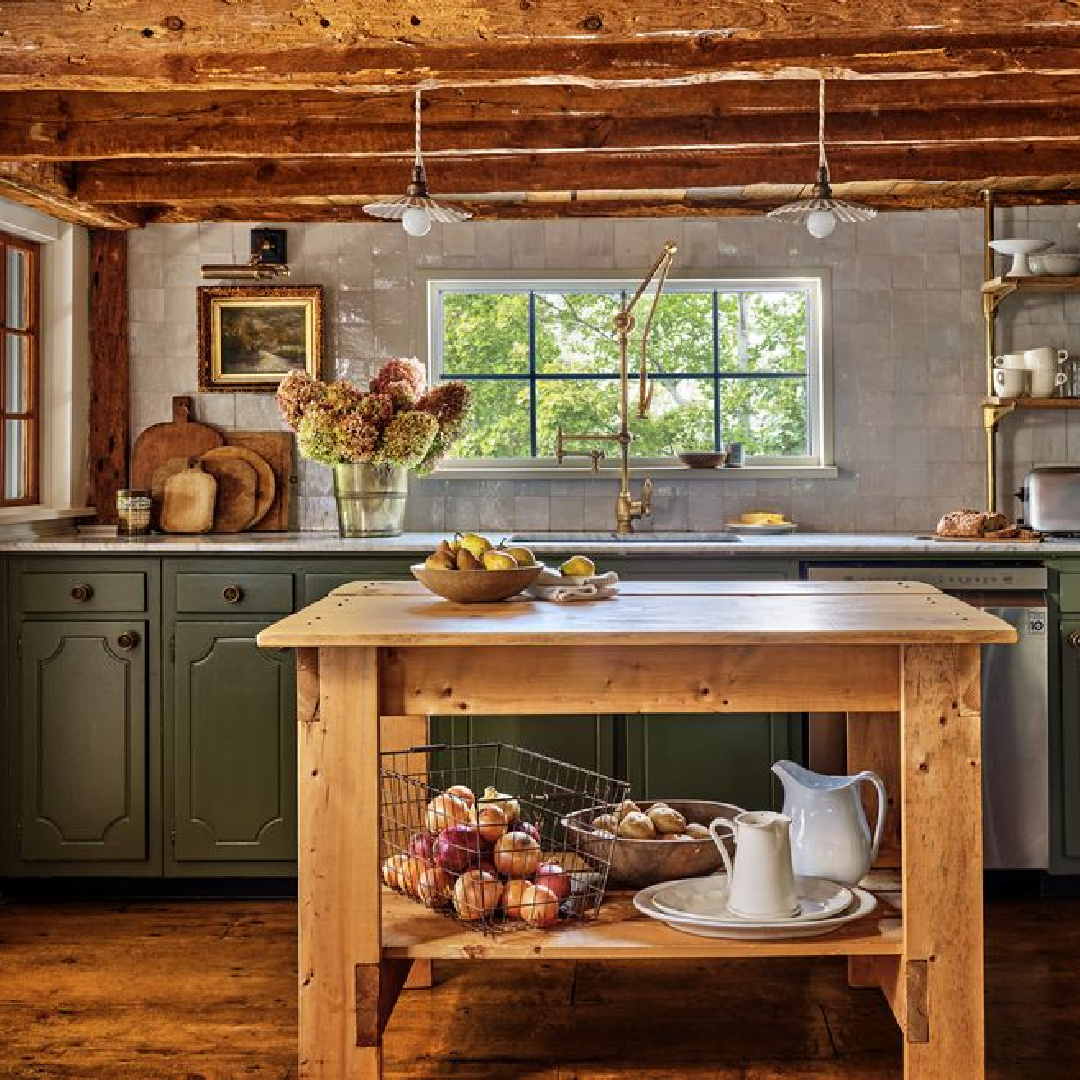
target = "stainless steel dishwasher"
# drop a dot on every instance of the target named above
(1016, 769)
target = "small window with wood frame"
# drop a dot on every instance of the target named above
(19, 351)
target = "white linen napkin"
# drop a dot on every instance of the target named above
(551, 585)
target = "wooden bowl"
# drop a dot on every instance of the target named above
(647, 862)
(476, 586)
(704, 460)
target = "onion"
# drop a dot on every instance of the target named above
(435, 887)
(513, 892)
(517, 855)
(552, 876)
(457, 848)
(409, 874)
(465, 794)
(476, 894)
(506, 803)
(422, 846)
(492, 822)
(391, 870)
(526, 827)
(539, 906)
(445, 810)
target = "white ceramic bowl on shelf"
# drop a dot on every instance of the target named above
(1055, 263)
(1018, 248)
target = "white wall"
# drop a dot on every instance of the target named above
(907, 334)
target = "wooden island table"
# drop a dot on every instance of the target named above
(900, 659)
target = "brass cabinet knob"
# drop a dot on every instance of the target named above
(127, 640)
(1074, 639)
(81, 593)
(232, 594)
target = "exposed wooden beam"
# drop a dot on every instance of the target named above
(49, 187)
(199, 125)
(243, 44)
(180, 181)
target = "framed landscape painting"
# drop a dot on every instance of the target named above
(252, 336)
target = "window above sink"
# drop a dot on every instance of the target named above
(734, 359)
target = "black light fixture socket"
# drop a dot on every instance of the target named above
(269, 246)
(822, 189)
(417, 189)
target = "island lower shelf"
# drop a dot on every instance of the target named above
(412, 932)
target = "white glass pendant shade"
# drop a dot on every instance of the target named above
(416, 209)
(820, 223)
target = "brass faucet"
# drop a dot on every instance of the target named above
(627, 508)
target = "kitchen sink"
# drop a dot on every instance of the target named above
(633, 538)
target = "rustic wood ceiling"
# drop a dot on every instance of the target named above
(116, 113)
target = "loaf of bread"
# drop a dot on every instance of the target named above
(971, 523)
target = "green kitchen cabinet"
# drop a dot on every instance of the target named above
(230, 751)
(83, 762)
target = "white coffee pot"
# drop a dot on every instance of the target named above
(830, 836)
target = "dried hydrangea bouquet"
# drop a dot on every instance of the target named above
(373, 438)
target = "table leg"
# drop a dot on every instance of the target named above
(941, 866)
(339, 886)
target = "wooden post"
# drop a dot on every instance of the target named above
(107, 442)
(339, 887)
(941, 867)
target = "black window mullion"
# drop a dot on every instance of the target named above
(718, 428)
(532, 372)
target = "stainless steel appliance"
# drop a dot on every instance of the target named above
(1051, 497)
(1016, 768)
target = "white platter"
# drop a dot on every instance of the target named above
(761, 530)
(704, 899)
(863, 904)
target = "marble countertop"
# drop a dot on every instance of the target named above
(794, 545)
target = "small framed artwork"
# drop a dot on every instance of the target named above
(252, 336)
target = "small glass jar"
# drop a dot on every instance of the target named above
(132, 512)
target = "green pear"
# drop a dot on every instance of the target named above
(578, 566)
(499, 560)
(475, 544)
(522, 555)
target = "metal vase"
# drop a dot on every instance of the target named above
(371, 499)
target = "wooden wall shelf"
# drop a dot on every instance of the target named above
(1041, 283)
(1032, 403)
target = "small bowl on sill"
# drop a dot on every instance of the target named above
(703, 460)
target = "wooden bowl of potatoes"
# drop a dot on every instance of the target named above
(655, 840)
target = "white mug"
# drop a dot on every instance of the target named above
(761, 883)
(1009, 382)
(1011, 360)
(1045, 357)
(1043, 381)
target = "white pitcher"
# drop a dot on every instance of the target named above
(761, 883)
(830, 836)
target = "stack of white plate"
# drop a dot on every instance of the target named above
(699, 906)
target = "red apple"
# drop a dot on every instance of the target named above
(552, 876)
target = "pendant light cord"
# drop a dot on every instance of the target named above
(822, 163)
(419, 161)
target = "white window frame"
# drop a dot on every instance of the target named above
(817, 282)
(63, 365)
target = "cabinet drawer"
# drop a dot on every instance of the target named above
(57, 591)
(234, 592)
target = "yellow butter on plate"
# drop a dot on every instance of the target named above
(758, 518)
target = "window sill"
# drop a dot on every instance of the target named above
(656, 472)
(34, 521)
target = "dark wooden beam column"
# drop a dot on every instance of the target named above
(107, 448)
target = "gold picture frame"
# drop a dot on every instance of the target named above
(252, 336)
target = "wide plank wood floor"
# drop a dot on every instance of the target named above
(206, 989)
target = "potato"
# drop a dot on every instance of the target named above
(606, 823)
(698, 832)
(666, 820)
(627, 806)
(636, 826)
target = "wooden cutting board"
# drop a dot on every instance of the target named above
(265, 486)
(188, 502)
(980, 539)
(237, 487)
(182, 438)
(277, 449)
(157, 486)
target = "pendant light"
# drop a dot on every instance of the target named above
(822, 210)
(416, 210)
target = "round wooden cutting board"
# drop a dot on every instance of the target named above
(234, 507)
(265, 486)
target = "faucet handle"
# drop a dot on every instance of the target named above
(646, 497)
(560, 450)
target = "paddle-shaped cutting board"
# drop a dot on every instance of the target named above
(188, 502)
(181, 438)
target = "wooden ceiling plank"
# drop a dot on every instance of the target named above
(178, 181)
(49, 187)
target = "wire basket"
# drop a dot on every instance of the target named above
(478, 832)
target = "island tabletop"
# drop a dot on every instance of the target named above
(902, 660)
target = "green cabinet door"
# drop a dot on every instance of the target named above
(82, 691)
(1065, 770)
(231, 747)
